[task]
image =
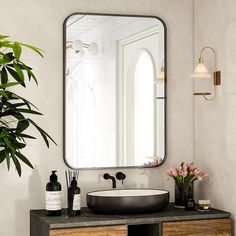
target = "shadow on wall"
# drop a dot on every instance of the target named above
(34, 199)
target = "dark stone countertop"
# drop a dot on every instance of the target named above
(89, 218)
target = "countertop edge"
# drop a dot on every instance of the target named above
(90, 219)
(134, 221)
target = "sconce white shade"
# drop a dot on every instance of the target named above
(201, 72)
(77, 45)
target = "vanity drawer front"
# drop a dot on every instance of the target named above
(120, 230)
(218, 227)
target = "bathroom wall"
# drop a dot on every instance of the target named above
(215, 129)
(39, 22)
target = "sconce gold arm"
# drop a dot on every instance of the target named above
(216, 74)
(214, 52)
(69, 44)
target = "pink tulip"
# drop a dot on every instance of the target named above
(179, 169)
(191, 166)
(185, 173)
(202, 176)
(185, 166)
(196, 171)
(174, 171)
(169, 173)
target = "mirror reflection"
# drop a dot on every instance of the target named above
(114, 88)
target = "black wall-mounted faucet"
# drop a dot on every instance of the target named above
(108, 176)
(120, 176)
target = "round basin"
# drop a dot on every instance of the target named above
(123, 201)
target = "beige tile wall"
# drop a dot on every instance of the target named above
(39, 22)
(215, 129)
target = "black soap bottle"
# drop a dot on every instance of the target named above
(53, 196)
(74, 199)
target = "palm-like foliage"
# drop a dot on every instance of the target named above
(14, 108)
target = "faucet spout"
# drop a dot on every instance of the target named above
(112, 178)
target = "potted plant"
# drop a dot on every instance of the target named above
(15, 109)
(184, 177)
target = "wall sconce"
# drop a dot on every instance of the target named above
(78, 45)
(160, 79)
(201, 72)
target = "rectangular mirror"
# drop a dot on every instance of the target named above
(114, 91)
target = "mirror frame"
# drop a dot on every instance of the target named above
(64, 89)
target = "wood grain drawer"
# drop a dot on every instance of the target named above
(120, 230)
(218, 227)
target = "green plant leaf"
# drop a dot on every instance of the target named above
(5, 58)
(43, 133)
(11, 112)
(7, 156)
(17, 50)
(3, 37)
(16, 76)
(10, 84)
(29, 72)
(25, 136)
(37, 50)
(19, 71)
(2, 156)
(4, 76)
(19, 145)
(44, 136)
(29, 111)
(22, 125)
(16, 104)
(24, 159)
(18, 116)
(17, 165)
(10, 56)
(7, 142)
(12, 95)
(6, 44)
(3, 133)
(4, 94)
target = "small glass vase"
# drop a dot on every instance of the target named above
(183, 193)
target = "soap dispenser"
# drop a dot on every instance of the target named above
(53, 196)
(74, 199)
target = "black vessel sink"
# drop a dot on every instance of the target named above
(124, 201)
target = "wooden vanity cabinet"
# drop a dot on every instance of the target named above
(120, 230)
(215, 227)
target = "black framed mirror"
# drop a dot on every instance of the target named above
(114, 89)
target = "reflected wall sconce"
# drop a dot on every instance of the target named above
(160, 79)
(201, 72)
(78, 45)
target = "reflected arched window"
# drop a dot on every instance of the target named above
(144, 107)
